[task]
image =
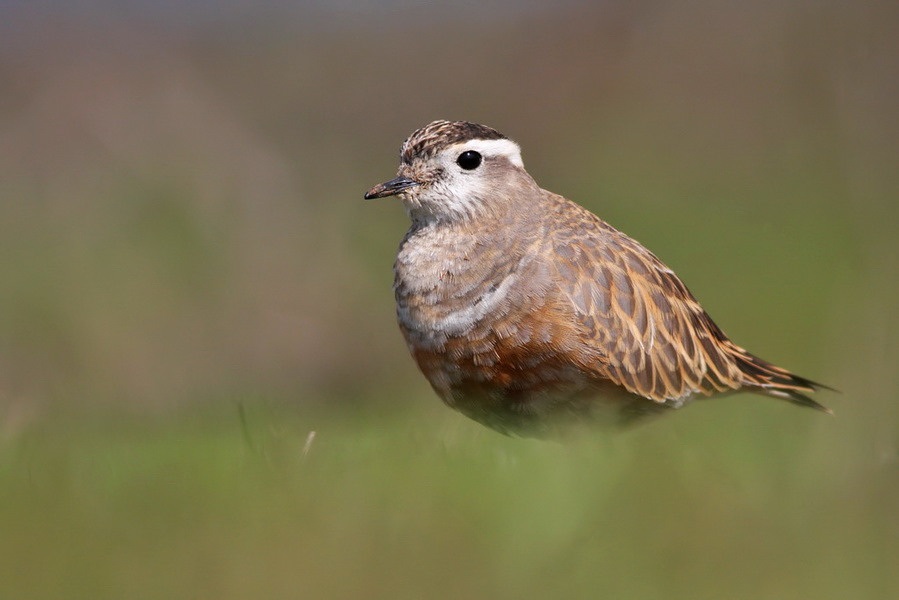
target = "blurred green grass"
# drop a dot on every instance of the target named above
(182, 233)
(743, 500)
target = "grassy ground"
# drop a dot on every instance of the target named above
(744, 498)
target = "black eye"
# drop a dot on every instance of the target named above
(469, 160)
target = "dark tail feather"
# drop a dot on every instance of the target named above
(780, 383)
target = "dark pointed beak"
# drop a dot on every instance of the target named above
(390, 188)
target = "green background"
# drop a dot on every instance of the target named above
(203, 393)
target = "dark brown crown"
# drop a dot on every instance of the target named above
(435, 136)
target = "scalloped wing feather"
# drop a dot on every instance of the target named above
(656, 340)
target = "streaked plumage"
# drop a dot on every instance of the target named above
(525, 311)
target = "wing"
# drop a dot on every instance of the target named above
(655, 338)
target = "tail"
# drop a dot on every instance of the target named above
(777, 382)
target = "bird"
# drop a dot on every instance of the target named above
(531, 315)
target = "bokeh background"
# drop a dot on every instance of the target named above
(203, 392)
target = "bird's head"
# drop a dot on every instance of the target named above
(455, 170)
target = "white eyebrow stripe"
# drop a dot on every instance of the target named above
(506, 148)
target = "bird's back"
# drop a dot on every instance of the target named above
(657, 340)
